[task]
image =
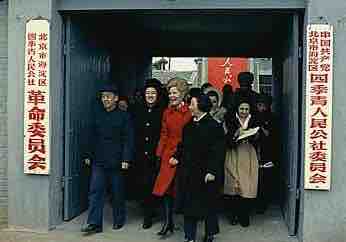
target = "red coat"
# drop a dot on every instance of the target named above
(173, 122)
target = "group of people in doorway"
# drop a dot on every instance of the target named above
(187, 149)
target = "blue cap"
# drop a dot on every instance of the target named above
(109, 88)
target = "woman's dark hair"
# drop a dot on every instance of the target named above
(205, 86)
(243, 100)
(193, 92)
(153, 82)
(203, 102)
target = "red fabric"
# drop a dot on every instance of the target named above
(225, 70)
(173, 122)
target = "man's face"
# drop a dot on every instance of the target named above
(122, 104)
(150, 95)
(261, 107)
(214, 102)
(109, 99)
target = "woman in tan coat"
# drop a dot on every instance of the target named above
(241, 164)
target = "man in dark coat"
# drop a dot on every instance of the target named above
(245, 80)
(268, 150)
(147, 117)
(111, 151)
(199, 157)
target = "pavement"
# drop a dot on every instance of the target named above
(267, 227)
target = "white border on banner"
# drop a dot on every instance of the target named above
(318, 174)
(36, 95)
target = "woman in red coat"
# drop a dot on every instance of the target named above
(174, 119)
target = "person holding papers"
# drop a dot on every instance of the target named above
(241, 163)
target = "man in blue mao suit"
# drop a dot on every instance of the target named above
(110, 153)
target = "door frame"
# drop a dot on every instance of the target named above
(300, 154)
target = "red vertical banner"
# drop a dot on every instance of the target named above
(224, 70)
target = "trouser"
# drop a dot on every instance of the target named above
(265, 188)
(97, 190)
(239, 207)
(150, 202)
(211, 226)
(149, 205)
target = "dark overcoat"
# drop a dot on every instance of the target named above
(201, 151)
(147, 123)
(268, 145)
(112, 138)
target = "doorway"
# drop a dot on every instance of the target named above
(119, 46)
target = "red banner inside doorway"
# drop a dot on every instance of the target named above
(224, 70)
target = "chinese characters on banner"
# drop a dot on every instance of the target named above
(319, 82)
(36, 98)
(222, 71)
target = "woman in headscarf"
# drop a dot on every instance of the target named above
(217, 111)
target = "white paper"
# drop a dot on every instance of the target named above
(248, 133)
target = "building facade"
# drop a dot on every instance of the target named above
(3, 112)
(39, 201)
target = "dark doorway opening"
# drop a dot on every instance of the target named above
(120, 45)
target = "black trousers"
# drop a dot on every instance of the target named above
(239, 207)
(211, 224)
(265, 188)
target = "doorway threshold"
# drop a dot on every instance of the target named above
(267, 227)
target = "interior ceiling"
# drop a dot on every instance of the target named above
(225, 34)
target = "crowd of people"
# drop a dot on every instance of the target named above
(197, 152)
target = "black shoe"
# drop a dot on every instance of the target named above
(244, 221)
(168, 225)
(117, 226)
(165, 229)
(91, 228)
(147, 223)
(233, 219)
(209, 238)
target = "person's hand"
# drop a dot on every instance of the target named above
(209, 178)
(265, 131)
(237, 133)
(87, 161)
(173, 162)
(125, 165)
